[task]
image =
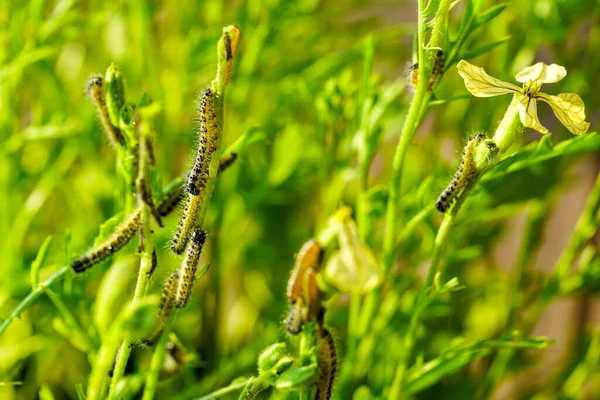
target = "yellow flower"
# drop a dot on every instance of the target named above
(353, 268)
(568, 107)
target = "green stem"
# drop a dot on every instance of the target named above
(146, 246)
(157, 360)
(510, 127)
(409, 340)
(217, 394)
(31, 298)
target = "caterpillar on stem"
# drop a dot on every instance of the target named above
(186, 224)
(436, 71)
(302, 289)
(327, 364)
(198, 177)
(463, 175)
(114, 243)
(188, 268)
(95, 90)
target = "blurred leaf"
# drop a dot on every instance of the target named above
(467, 55)
(38, 262)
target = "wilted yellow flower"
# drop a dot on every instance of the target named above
(353, 268)
(568, 107)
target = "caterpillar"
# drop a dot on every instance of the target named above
(226, 161)
(95, 90)
(302, 289)
(186, 224)
(114, 243)
(167, 297)
(436, 71)
(327, 365)
(294, 321)
(171, 199)
(308, 257)
(462, 177)
(198, 177)
(188, 268)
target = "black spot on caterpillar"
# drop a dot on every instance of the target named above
(226, 161)
(186, 224)
(95, 90)
(114, 243)
(327, 365)
(462, 177)
(188, 268)
(198, 177)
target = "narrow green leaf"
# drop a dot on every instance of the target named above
(38, 262)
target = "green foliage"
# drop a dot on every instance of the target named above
(321, 116)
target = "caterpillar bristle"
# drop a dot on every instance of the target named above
(114, 243)
(188, 268)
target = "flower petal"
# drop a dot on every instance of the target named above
(480, 84)
(542, 73)
(569, 109)
(528, 113)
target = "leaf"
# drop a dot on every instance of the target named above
(39, 261)
(490, 14)
(534, 170)
(467, 55)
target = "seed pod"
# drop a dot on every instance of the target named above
(114, 243)
(271, 356)
(462, 177)
(115, 93)
(188, 268)
(95, 90)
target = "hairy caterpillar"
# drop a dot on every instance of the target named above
(186, 224)
(327, 365)
(145, 194)
(462, 177)
(95, 90)
(170, 200)
(114, 243)
(167, 297)
(436, 71)
(294, 321)
(188, 268)
(302, 289)
(198, 177)
(226, 161)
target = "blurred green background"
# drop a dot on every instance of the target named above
(298, 75)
